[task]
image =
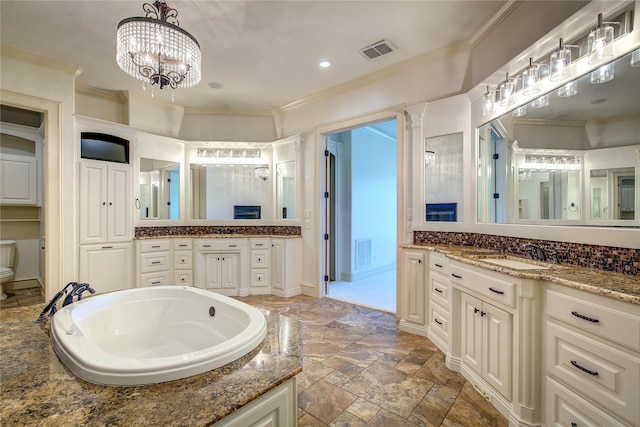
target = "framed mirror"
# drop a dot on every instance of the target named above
(159, 182)
(286, 190)
(570, 156)
(443, 175)
(230, 191)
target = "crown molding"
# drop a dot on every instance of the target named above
(118, 96)
(493, 21)
(213, 111)
(24, 56)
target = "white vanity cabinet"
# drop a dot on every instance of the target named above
(260, 266)
(592, 358)
(285, 266)
(439, 301)
(106, 267)
(220, 265)
(183, 261)
(414, 272)
(154, 262)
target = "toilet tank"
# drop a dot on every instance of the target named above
(7, 251)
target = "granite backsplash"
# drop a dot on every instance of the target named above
(607, 258)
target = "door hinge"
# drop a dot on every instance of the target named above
(326, 153)
(496, 156)
(496, 195)
(326, 278)
(168, 179)
(326, 194)
(168, 203)
(326, 237)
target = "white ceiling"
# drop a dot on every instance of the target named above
(264, 54)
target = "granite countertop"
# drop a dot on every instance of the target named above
(221, 236)
(622, 287)
(36, 389)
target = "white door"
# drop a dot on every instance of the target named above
(277, 264)
(229, 271)
(212, 271)
(497, 349)
(93, 202)
(472, 332)
(119, 203)
(414, 298)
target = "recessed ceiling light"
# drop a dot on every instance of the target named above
(215, 85)
(325, 63)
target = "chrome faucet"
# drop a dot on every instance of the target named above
(76, 291)
(540, 256)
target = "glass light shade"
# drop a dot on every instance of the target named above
(635, 58)
(600, 43)
(520, 111)
(488, 103)
(568, 90)
(429, 158)
(603, 74)
(560, 63)
(531, 79)
(540, 102)
(262, 172)
(507, 89)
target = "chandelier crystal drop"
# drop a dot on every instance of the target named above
(156, 50)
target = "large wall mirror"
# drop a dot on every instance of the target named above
(443, 178)
(159, 196)
(286, 190)
(569, 157)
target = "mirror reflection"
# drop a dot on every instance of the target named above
(159, 182)
(572, 159)
(230, 191)
(443, 178)
(286, 190)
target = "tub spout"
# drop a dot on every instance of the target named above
(52, 306)
(76, 291)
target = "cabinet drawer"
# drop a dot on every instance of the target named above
(493, 288)
(183, 244)
(439, 320)
(259, 259)
(439, 288)
(154, 245)
(259, 243)
(616, 326)
(183, 260)
(183, 277)
(155, 279)
(439, 263)
(565, 408)
(259, 278)
(599, 372)
(231, 245)
(154, 262)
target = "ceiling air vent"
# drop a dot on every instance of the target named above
(377, 49)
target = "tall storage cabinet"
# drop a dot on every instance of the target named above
(105, 225)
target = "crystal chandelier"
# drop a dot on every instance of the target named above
(156, 50)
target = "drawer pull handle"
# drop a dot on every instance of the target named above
(156, 282)
(155, 262)
(206, 246)
(437, 321)
(496, 291)
(574, 424)
(182, 246)
(438, 265)
(107, 247)
(475, 310)
(583, 317)
(233, 246)
(155, 246)
(259, 244)
(438, 290)
(456, 276)
(583, 369)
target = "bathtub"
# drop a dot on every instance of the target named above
(156, 334)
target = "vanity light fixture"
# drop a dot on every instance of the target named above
(603, 74)
(568, 90)
(429, 156)
(531, 79)
(541, 102)
(560, 62)
(507, 89)
(223, 153)
(489, 102)
(156, 50)
(262, 172)
(600, 42)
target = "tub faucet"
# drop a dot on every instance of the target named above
(76, 290)
(540, 256)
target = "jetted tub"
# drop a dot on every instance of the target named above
(156, 334)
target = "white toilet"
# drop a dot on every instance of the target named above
(7, 256)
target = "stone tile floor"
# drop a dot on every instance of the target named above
(360, 370)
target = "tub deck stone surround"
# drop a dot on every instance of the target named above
(37, 389)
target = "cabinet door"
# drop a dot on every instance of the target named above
(497, 348)
(229, 271)
(414, 300)
(472, 332)
(106, 267)
(93, 203)
(278, 264)
(212, 271)
(118, 203)
(19, 183)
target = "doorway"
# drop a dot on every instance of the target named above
(361, 201)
